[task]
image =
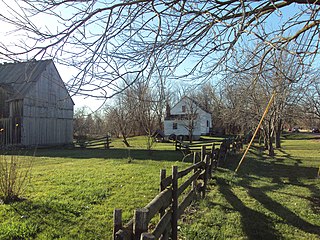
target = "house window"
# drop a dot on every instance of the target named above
(174, 126)
(207, 123)
(183, 108)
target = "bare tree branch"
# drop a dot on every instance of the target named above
(121, 41)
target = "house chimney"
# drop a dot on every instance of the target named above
(168, 110)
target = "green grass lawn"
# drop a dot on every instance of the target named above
(73, 193)
(269, 198)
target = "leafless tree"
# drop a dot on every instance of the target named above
(144, 109)
(107, 41)
(190, 116)
(122, 114)
(81, 124)
(248, 92)
(89, 125)
(311, 102)
(136, 111)
(208, 96)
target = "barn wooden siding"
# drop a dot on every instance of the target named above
(4, 106)
(35, 106)
(11, 118)
(10, 131)
(48, 111)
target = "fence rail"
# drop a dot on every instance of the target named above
(103, 142)
(233, 143)
(172, 199)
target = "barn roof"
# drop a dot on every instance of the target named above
(20, 76)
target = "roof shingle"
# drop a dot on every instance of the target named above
(20, 76)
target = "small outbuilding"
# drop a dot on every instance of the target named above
(187, 118)
(158, 135)
(35, 106)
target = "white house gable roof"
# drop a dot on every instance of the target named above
(177, 108)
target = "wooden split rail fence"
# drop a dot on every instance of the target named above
(171, 202)
(228, 145)
(103, 142)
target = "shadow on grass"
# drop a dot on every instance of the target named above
(315, 199)
(280, 210)
(52, 216)
(273, 168)
(301, 136)
(286, 155)
(138, 154)
(283, 212)
(280, 171)
(255, 224)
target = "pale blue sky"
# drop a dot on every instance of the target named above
(67, 72)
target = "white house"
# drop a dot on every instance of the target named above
(187, 118)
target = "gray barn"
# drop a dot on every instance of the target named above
(35, 106)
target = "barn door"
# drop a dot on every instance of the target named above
(16, 130)
(10, 131)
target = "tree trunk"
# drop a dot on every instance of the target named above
(265, 139)
(278, 134)
(277, 139)
(270, 141)
(260, 137)
(271, 149)
(190, 136)
(125, 141)
(149, 145)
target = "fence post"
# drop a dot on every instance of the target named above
(212, 158)
(107, 146)
(206, 176)
(213, 146)
(234, 147)
(163, 174)
(140, 223)
(203, 152)
(176, 143)
(211, 162)
(194, 158)
(117, 221)
(217, 156)
(194, 182)
(174, 218)
(222, 153)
